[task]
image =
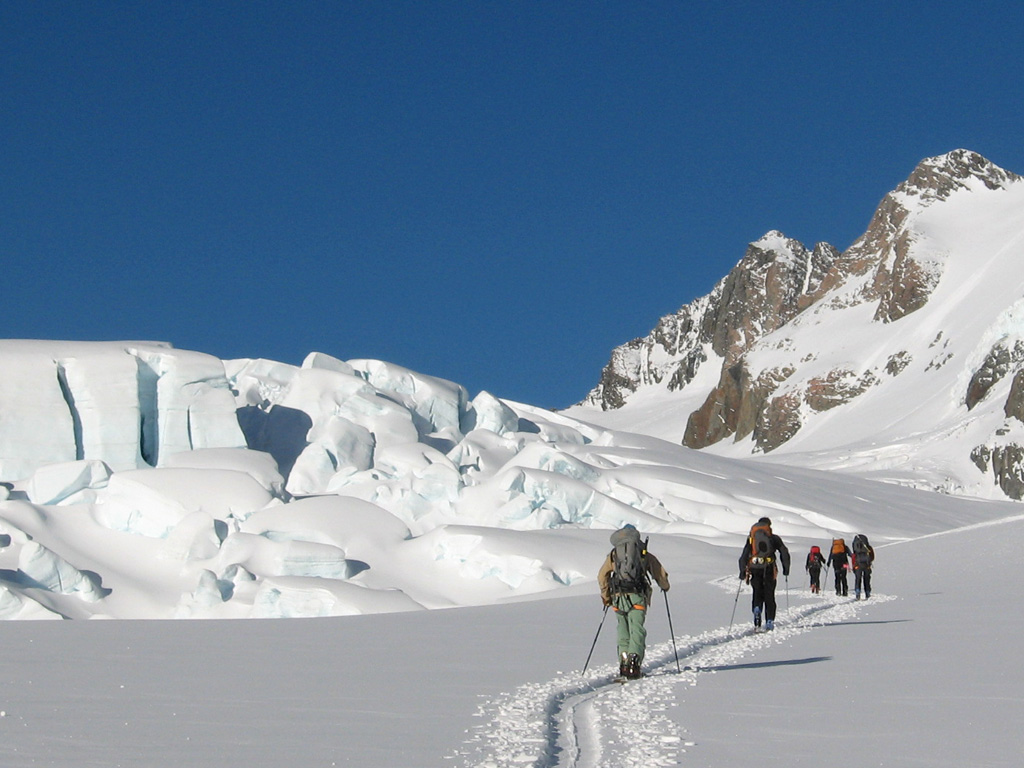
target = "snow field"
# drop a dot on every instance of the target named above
(467, 686)
(595, 722)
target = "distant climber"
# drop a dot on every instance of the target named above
(759, 565)
(815, 562)
(625, 582)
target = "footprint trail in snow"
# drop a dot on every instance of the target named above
(593, 722)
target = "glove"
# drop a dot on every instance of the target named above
(786, 574)
(606, 601)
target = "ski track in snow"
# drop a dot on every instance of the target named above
(595, 722)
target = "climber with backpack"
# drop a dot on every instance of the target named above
(839, 558)
(815, 561)
(759, 566)
(863, 557)
(625, 582)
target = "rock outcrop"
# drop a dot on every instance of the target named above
(775, 280)
(890, 267)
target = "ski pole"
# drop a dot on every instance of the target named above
(787, 591)
(734, 604)
(594, 644)
(672, 632)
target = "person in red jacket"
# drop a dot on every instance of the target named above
(815, 562)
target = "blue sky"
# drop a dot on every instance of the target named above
(497, 193)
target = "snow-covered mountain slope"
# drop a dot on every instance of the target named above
(140, 481)
(364, 487)
(900, 359)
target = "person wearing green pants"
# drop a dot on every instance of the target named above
(625, 582)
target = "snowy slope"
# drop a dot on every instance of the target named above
(211, 533)
(378, 489)
(882, 394)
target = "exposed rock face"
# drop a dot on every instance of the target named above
(998, 363)
(1006, 463)
(898, 362)
(1014, 407)
(891, 268)
(938, 177)
(775, 280)
(734, 407)
(762, 292)
(837, 388)
(674, 351)
(778, 422)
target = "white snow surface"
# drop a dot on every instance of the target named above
(374, 489)
(923, 673)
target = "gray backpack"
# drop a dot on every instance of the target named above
(861, 551)
(629, 573)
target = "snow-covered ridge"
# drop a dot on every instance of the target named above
(896, 358)
(250, 488)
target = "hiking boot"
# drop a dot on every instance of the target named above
(623, 664)
(633, 671)
(857, 593)
(769, 625)
(757, 617)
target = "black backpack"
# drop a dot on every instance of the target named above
(762, 551)
(861, 551)
(629, 560)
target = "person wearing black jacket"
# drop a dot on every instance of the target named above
(863, 559)
(815, 561)
(839, 558)
(759, 566)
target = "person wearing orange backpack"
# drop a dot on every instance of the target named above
(759, 566)
(815, 560)
(839, 558)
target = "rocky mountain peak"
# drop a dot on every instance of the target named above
(754, 355)
(777, 278)
(935, 178)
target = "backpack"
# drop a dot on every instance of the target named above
(861, 551)
(629, 561)
(838, 547)
(762, 551)
(814, 558)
